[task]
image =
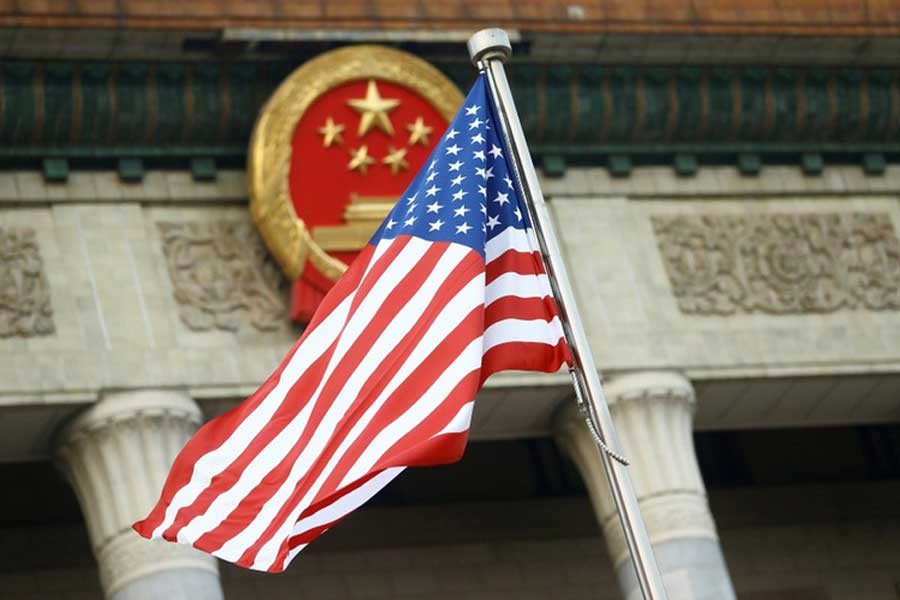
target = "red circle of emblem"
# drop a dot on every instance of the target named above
(353, 149)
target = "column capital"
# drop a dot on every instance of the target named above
(650, 385)
(653, 414)
(116, 454)
(120, 407)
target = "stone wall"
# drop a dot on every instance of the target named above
(722, 275)
(146, 284)
(164, 284)
(144, 296)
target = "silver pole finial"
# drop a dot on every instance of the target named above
(489, 43)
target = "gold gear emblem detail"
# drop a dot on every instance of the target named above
(270, 154)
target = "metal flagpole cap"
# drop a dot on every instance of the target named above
(489, 43)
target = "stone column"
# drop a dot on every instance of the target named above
(653, 414)
(117, 455)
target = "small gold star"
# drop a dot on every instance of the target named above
(331, 132)
(360, 160)
(419, 132)
(374, 110)
(395, 160)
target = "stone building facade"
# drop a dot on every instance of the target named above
(727, 194)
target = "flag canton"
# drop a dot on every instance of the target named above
(465, 192)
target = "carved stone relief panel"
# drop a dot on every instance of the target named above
(25, 308)
(222, 275)
(781, 263)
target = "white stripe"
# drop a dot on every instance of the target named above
(516, 284)
(518, 330)
(269, 456)
(512, 238)
(293, 553)
(346, 503)
(447, 320)
(469, 360)
(400, 325)
(461, 421)
(214, 462)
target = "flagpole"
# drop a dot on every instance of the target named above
(488, 49)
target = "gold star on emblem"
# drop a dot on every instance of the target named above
(419, 132)
(374, 110)
(331, 132)
(395, 159)
(360, 160)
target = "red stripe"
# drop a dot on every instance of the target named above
(524, 356)
(441, 449)
(293, 403)
(408, 392)
(513, 261)
(243, 514)
(331, 499)
(377, 269)
(309, 535)
(526, 309)
(461, 275)
(214, 433)
(420, 447)
(290, 407)
(356, 279)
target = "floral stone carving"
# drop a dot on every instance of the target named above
(222, 275)
(781, 263)
(25, 308)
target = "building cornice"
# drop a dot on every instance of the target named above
(86, 112)
(864, 18)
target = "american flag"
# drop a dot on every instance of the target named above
(449, 290)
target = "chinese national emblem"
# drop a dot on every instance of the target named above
(333, 149)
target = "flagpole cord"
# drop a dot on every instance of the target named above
(488, 49)
(590, 420)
